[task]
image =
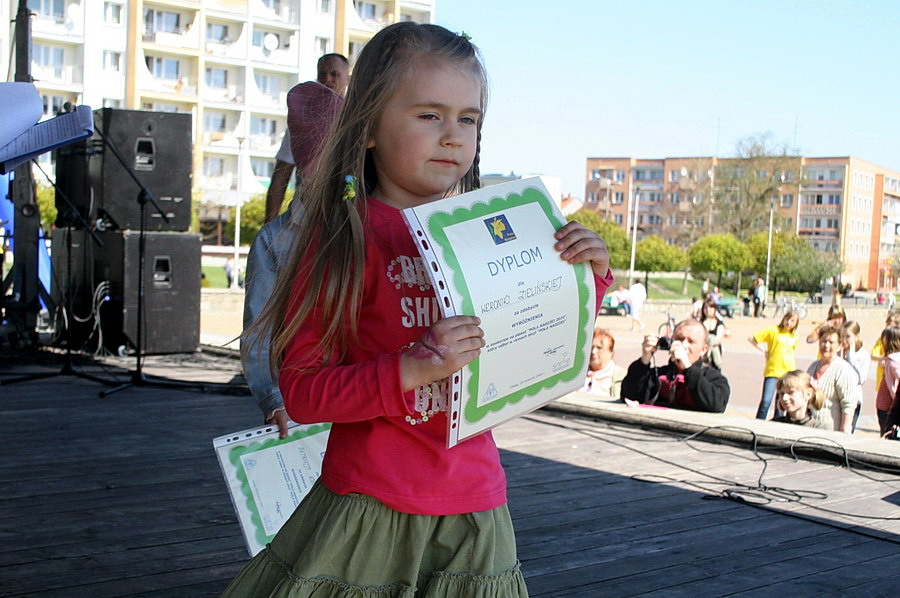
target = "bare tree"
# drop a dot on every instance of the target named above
(747, 184)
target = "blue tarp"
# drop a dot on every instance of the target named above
(7, 215)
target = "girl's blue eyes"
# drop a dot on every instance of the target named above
(469, 120)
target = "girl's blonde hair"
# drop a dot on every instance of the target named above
(853, 327)
(324, 274)
(836, 311)
(783, 325)
(800, 380)
(890, 339)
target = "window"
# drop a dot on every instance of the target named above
(161, 20)
(48, 9)
(262, 168)
(164, 68)
(112, 13)
(53, 105)
(217, 77)
(366, 10)
(260, 35)
(674, 176)
(592, 197)
(762, 173)
(833, 200)
(619, 197)
(216, 32)
(787, 200)
(155, 107)
(272, 4)
(324, 5)
(112, 61)
(620, 175)
(674, 197)
(263, 126)
(213, 166)
(112, 103)
(49, 57)
(322, 45)
(268, 84)
(618, 219)
(215, 122)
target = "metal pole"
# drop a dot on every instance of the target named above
(634, 222)
(769, 247)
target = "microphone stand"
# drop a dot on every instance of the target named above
(68, 369)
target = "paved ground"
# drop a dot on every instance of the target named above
(220, 324)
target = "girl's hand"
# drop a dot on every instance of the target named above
(446, 346)
(578, 244)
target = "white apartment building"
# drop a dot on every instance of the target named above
(230, 63)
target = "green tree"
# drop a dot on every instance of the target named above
(801, 267)
(758, 244)
(747, 184)
(652, 254)
(46, 201)
(719, 254)
(253, 214)
(617, 241)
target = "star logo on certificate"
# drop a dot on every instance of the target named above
(501, 231)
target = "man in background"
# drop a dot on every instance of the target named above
(332, 71)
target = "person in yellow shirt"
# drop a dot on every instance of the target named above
(877, 353)
(779, 342)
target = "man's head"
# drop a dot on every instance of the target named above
(333, 71)
(693, 337)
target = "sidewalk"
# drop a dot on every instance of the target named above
(221, 321)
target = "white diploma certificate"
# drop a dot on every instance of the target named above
(490, 254)
(267, 477)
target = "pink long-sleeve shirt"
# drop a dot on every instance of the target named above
(372, 448)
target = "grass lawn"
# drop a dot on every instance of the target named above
(215, 275)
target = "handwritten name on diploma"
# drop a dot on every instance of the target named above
(510, 262)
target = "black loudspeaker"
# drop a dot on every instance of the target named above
(80, 278)
(74, 183)
(171, 290)
(157, 147)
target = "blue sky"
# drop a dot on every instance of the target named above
(657, 78)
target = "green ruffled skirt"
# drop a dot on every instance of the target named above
(354, 546)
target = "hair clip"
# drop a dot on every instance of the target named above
(465, 36)
(349, 187)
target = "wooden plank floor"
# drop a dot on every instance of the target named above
(122, 496)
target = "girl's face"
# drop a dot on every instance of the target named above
(425, 140)
(710, 311)
(795, 402)
(849, 340)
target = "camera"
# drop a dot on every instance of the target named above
(664, 343)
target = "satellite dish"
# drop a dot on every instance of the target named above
(73, 11)
(270, 42)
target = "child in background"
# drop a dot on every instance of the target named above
(836, 317)
(890, 342)
(877, 352)
(801, 403)
(395, 512)
(781, 342)
(857, 357)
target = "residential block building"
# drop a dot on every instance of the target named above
(230, 63)
(841, 205)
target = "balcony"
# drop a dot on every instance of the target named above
(819, 210)
(183, 37)
(231, 94)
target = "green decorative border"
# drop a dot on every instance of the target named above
(234, 456)
(437, 222)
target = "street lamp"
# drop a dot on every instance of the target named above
(238, 199)
(769, 246)
(634, 223)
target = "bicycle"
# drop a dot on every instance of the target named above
(784, 305)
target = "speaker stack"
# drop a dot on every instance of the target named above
(157, 148)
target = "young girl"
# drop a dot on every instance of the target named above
(780, 342)
(857, 357)
(362, 345)
(836, 317)
(715, 328)
(890, 341)
(801, 403)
